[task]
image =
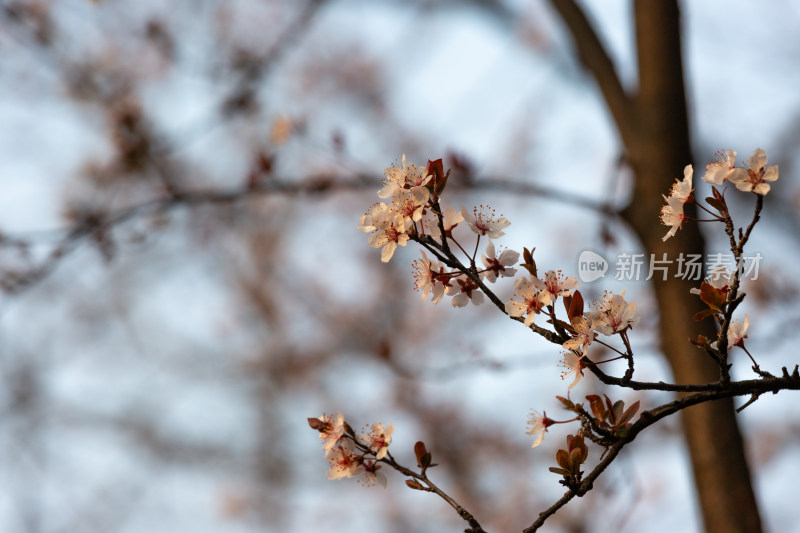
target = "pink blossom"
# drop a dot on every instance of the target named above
(407, 177)
(370, 473)
(498, 266)
(682, 189)
(572, 365)
(483, 221)
(410, 204)
(554, 285)
(720, 169)
(343, 462)
(530, 301)
(431, 278)
(389, 229)
(613, 314)
(332, 431)
(737, 332)
(537, 426)
(377, 439)
(583, 336)
(755, 174)
(672, 215)
(468, 292)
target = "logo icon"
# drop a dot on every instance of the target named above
(591, 266)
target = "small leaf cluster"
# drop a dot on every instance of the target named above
(570, 460)
(612, 417)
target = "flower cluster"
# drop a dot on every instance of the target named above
(720, 289)
(532, 294)
(390, 223)
(413, 212)
(613, 314)
(753, 176)
(348, 454)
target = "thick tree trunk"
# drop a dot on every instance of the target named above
(658, 152)
(654, 129)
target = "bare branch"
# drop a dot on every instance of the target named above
(594, 57)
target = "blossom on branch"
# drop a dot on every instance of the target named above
(583, 335)
(370, 474)
(498, 266)
(682, 189)
(482, 221)
(431, 277)
(377, 439)
(572, 365)
(343, 462)
(672, 213)
(408, 177)
(755, 174)
(554, 285)
(410, 204)
(672, 216)
(537, 426)
(330, 429)
(530, 301)
(737, 332)
(720, 169)
(469, 292)
(388, 226)
(613, 314)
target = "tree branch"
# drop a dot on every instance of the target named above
(100, 223)
(594, 57)
(648, 418)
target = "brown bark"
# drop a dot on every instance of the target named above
(653, 126)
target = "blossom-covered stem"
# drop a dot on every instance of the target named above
(452, 261)
(734, 298)
(431, 487)
(732, 303)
